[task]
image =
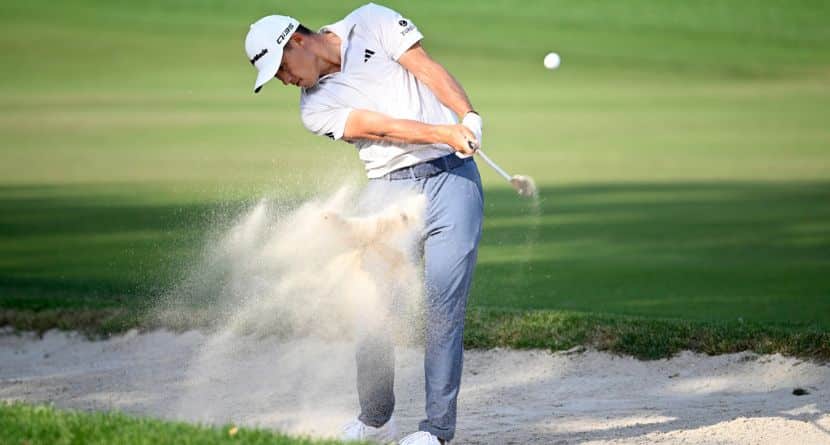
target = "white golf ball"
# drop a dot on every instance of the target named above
(552, 61)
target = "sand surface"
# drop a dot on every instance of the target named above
(507, 397)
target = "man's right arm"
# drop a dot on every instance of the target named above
(370, 125)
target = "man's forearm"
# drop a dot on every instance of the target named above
(369, 125)
(447, 89)
(373, 126)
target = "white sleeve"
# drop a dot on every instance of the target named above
(326, 121)
(394, 32)
(325, 118)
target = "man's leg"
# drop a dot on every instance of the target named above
(376, 379)
(375, 353)
(450, 250)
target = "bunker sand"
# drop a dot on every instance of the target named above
(507, 396)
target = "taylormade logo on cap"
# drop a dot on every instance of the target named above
(264, 45)
(259, 56)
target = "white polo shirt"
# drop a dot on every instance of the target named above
(372, 39)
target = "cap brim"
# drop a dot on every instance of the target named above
(270, 64)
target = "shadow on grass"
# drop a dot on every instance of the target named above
(697, 251)
(704, 251)
(92, 248)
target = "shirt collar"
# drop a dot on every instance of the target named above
(342, 29)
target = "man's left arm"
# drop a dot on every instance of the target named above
(445, 87)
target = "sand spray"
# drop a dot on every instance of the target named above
(311, 279)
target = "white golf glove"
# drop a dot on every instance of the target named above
(473, 123)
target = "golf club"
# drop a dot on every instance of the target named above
(524, 185)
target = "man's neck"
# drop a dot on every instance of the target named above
(329, 53)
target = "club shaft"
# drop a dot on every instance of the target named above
(495, 166)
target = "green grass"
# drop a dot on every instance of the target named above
(44, 425)
(681, 150)
(644, 338)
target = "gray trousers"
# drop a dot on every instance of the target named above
(453, 228)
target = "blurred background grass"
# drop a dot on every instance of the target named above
(682, 149)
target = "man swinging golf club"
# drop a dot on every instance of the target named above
(367, 80)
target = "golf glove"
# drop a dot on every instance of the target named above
(472, 121)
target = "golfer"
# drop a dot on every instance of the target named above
(368, 81)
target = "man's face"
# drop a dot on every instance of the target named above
(299, 65)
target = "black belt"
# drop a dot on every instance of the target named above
(428, 168)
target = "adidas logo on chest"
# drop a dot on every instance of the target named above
(367, 54)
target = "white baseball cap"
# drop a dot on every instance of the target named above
(264, 43)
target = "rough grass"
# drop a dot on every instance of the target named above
(23, 424)
(640, 337)
(644, 338)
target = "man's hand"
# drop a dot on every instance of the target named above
(473, 121)
(460, 138)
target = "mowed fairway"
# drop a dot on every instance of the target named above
(682, 149)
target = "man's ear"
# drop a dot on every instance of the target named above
(297, 39)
